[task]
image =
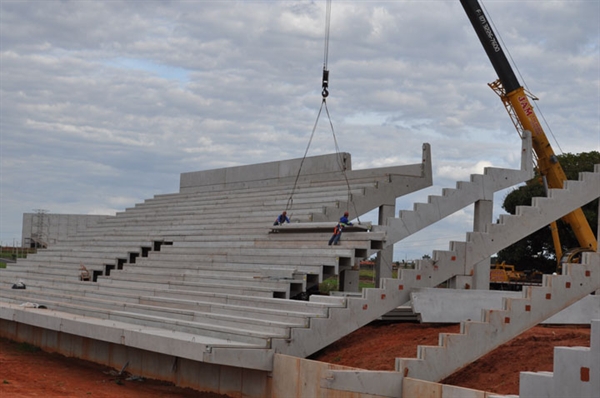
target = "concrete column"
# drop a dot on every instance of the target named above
(483, 214)
(348, 280)
(385, 258)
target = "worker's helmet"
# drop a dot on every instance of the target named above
(346, 213)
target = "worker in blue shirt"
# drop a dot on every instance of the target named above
(337, 231)
(344, 220)
(282, 218)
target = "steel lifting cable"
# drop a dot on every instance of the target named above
(342, 167)
(290, 201)
(324, 94)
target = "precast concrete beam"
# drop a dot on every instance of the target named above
(481, 187)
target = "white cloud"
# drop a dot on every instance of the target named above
(122, 97)
(461, 172)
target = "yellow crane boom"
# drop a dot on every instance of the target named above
(523, 115)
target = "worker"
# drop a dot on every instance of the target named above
(344, 220)
(282, 218)
(337, 231)
(84, 275)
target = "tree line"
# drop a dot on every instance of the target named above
(537, 251)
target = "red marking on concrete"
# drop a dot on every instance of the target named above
(585, 374)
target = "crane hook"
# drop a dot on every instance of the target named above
(325, 92)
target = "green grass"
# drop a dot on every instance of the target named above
(365, 276)
(328, 285)
(12, 255)
(365, 285)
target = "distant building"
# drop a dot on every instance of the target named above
(42, 229)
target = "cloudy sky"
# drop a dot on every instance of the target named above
(105, 103)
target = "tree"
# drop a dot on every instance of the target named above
(537, 251)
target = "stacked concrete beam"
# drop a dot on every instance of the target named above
(178, 262)
(201, 214)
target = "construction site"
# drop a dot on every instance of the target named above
(172, 290)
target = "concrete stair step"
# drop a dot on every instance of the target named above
(255, 338)
(261, 291)
(133, 294)
(512, 228)
(243, 322)
(244, 200)
(183, 344)
(480, 187)
(11, 276)
(358, 311)
(434, 363)
(172, 277)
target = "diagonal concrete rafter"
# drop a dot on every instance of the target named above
(481, 187)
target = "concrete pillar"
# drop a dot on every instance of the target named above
(348, 281)
(483, 214)
(385, 258)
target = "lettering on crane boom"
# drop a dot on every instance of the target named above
(488, 30)
(525, 105)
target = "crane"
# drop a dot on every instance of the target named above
(516, 102)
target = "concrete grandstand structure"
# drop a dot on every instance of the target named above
(199, 288)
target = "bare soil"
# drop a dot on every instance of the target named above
(26, 371)
(375, 347)
(29, 372)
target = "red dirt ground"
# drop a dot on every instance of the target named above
(375, 347)
(26, 372)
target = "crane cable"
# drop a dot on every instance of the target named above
(324, 94)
